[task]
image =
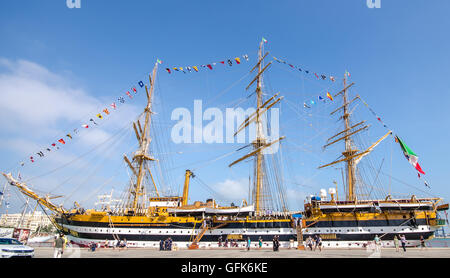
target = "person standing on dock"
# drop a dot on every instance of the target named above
(422, 243)
(403, 240)
(396, 243)
(161, 245)
(309, 242)
(377, 243)
(319, 243)
(58, 244)
(260, 242)
(248, 243)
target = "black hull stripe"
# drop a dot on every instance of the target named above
(366, 223)
(369, 237)
(186, 238)
(235, 225)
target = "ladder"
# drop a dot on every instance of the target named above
(199, 236)
(194, 244)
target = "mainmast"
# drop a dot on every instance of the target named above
(349, 151)
(351, 155)
(260, 142)
(139, 165)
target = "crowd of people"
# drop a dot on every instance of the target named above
(165, 245)
(60, 243)
(315, 242)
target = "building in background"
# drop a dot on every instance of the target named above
(29, 221)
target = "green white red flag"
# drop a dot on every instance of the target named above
(410, 155)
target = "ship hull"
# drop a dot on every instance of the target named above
(356, 230)
(149, 235)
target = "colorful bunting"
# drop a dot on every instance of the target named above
(113, 105)
(68, 135)
(62, 141)
(106, 111)
(99, 116)
(329, 96)
(85, 126)
(318, 76)
(141, 84)
(264, 40)
(210, 66)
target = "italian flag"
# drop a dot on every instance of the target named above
(410, 155)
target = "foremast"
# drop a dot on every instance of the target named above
(139, 164)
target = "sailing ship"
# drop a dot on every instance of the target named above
(355, 221)
(143, 220)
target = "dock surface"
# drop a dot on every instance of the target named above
(47, 252)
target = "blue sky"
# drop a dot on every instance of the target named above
(61, 66)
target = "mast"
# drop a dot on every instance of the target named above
(352, 156)
(141, 157)
(260, 143)
(260, 140)
(349, 151)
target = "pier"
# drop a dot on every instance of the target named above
(47, 252)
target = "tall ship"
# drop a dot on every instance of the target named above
(144, 218)
(357, 220)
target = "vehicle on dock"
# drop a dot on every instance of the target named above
(12, 248)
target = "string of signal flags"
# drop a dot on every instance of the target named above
(113, 106)
(210, 66)
(319, 76)
(91, 123)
